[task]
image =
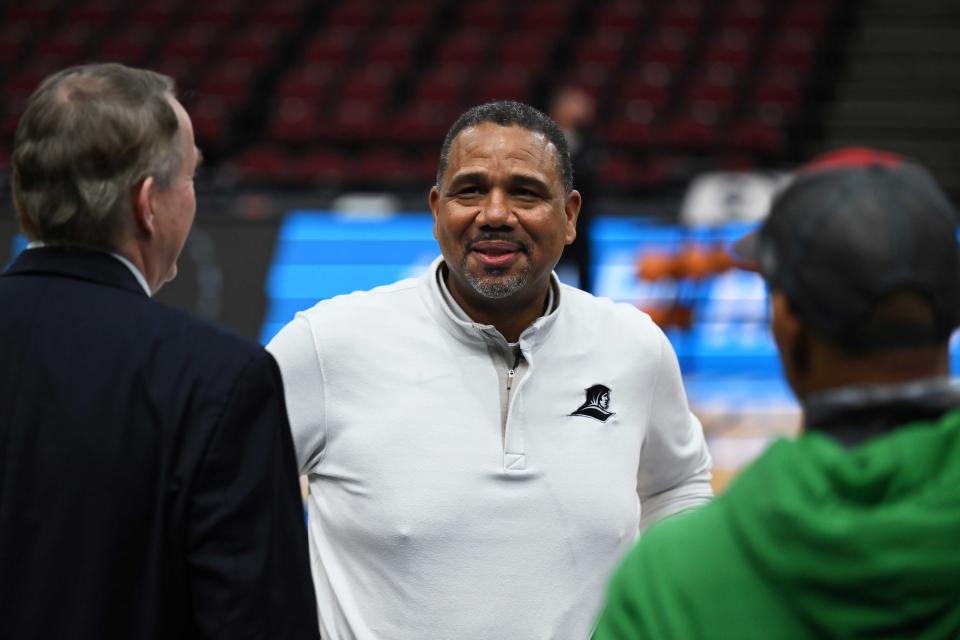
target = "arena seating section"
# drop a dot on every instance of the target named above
(358, 93)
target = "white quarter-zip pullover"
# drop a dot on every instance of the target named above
(435, 514)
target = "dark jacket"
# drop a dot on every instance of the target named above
(147, 475)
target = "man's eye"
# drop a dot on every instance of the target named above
(466, 191)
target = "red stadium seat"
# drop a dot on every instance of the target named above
(130, 46)
(417, 15)
(545, 16)
(651, 82)
(155, 14)
(393, 47)
(211, 117)
(509, 84)
(357, 120)
(423, 122)
(282, 14)
(526, 49)
(446, 84)
(265, 163)
(811, 16)
(256, 45)
(193, 45)
(385, 166)
(94, 12)
(218, 14)
(781, 88)
(669, 47)
(716, 83)
(730, 46)
(794, 49)
(483, 15)
(11, 108)
(311, 81)
(296, 120)
(371, 84)
(467, 47)
(591, 77)
(38, 14)
(623, 15)
(681, 14)
(13, 38)
(638, 124)
(231, 81)
(758, 137)
(356, 14)
(327, 168)
(67, 45)
(333, 46)
(605, 46)
(747, 15)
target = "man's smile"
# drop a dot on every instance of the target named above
(496, 254)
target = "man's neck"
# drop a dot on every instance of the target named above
(511, 318)
(829, 370)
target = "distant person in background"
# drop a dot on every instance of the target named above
(147, 478)
(483, 443)
(575, 112)
(853, 529)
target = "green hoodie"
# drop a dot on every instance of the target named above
(811, 541)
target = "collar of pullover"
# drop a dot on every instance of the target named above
(455, 321)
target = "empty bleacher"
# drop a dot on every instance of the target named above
(291, 94)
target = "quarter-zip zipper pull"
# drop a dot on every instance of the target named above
(513, 370)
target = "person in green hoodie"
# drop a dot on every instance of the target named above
(853, 529)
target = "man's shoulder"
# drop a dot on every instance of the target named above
(199, 336)
(394, 298)
(604, 318)
(583, 302)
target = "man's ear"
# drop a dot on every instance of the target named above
(434, 200)
(572, 210)
(785, 324)
(142, 199)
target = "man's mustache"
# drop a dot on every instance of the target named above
(496, 237)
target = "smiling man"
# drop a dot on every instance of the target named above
(483, 442)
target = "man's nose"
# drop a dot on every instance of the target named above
(497, 211)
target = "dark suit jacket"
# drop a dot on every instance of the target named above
(147, 475)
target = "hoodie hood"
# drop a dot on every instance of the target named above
(860, 542)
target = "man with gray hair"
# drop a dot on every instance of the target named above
(483, 442)
(147, 481)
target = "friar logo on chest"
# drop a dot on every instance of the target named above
(597, 404)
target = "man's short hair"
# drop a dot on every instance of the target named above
(508, 113)
(88, 135)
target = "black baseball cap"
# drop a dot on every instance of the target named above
(854, 226)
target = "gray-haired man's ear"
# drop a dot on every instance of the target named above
(142, 200)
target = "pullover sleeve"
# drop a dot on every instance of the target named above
(674, 473)
(296, 352)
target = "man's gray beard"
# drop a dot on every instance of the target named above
(496, 287)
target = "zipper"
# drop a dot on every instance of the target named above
(512, 372)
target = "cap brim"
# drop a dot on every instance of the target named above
(746, 251)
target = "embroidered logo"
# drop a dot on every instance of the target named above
(596, 405)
